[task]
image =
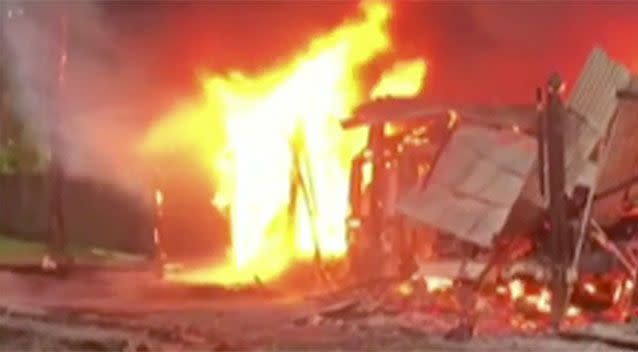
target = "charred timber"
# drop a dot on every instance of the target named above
(553, 131)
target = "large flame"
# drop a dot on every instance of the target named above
(278, 156)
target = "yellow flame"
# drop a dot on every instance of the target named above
(278, 155)
(404, 79)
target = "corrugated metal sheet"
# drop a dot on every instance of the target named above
(474, 185)
(621, 165)
(591, 107)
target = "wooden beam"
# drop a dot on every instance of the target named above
(561, 243)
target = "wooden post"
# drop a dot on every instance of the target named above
(541, 141)
(373, 226)
(560, 242)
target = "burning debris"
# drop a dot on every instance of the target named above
(483, 194)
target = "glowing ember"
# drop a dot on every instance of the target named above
(277, 154)
(542, 301)
(573, 311)
(629, 285)
(501, 290)
(517, 289)
(435, 284)
(405, 289)
(589, 288)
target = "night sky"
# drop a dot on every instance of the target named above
(491, 52)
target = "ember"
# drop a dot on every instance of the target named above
(277, 154)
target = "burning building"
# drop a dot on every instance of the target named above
(482, 184)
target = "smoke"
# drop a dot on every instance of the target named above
(95, 111)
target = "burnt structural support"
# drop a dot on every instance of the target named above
(374, 223)
(560, 242)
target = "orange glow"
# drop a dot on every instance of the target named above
(277, 154)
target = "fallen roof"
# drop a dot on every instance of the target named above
(473, 187)
(482, 172)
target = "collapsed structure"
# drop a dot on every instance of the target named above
(481, 174)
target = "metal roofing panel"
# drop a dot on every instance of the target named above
(481, 177)
(595, 102)
(622, 163)
(591, 107)
(477, 203)
(504, 188)
(594, 96)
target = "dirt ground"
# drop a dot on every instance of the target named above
(134, 311)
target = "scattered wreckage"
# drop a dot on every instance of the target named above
(533, 191)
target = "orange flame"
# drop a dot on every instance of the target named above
(276, 150)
